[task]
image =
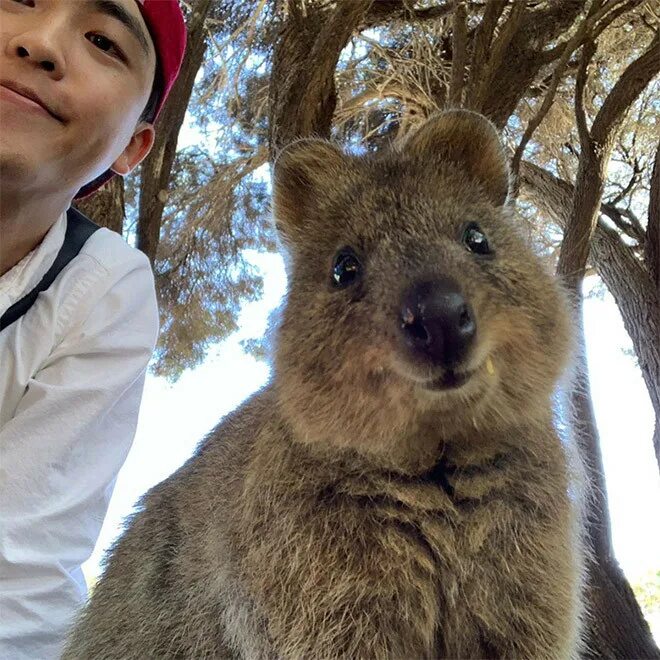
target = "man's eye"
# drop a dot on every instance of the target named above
(27, 3)
(105, 44)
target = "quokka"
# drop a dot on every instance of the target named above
(398, 490)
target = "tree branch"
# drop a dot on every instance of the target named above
(595, 150)
(384, 11)
(597, 12)
(627, 88)
(157, 167)
(617, 217)
(482, 40)
(302, 96)
(459, 54)
(584, 32)
(498, 51)
(610, 17)
(588, 50)
(523, 59)
(634, 179)
(535, 122)
(624, 274)
(652, 244)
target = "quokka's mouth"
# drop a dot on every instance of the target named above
(453, 380)
(450, 380)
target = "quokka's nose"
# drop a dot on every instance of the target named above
(437, 323)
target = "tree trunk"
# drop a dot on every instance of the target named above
(302, 87)
(106, 206)
(157, 167)
(626, 276)
(638, 300)
(652, 260)
(631, 637)
(617, 628)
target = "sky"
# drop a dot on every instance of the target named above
(175, 418)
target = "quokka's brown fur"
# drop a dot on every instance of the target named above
(358, 506)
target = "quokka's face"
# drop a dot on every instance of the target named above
(411, 293)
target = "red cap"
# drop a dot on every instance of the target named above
(168, 32)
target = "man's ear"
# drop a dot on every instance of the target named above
(136, 150)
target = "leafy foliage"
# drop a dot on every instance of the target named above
(395, 70)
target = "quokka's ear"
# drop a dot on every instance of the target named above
(469, 141)
(302, 171)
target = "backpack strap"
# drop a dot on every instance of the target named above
(78, 229)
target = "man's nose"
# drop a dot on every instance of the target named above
(41, 48)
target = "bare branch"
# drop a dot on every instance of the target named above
(384, 11)
(459, 54)
(595, 150)
(652, 252)
(620, 219)
(499, 49)
(510, 81)
(634, 179)
(554, 196)
(596, 12)
(482, 40)
(303, 97)
(610, 17)
(588, 50)
(627, 88)
(549, 96)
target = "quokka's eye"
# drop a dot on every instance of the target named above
(346, 269)
(475, 240)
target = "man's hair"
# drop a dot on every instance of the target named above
(149, 112)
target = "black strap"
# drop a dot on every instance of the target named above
(78, 229)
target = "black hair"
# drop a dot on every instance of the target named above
(149, 112)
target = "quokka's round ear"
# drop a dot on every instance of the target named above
(301, 173)
(469, 141)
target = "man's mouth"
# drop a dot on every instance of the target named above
(29, 97)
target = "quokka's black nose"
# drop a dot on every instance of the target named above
(437, 322)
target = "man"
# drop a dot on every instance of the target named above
(80, 86)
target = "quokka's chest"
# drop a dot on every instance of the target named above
(487, 554)
(478, 529)
(376, 549)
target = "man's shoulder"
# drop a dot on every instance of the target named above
(113, 253)
(108, 266)
(107, 279)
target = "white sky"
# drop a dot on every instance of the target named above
(174, 418)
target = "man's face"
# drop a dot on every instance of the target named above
(75, 76)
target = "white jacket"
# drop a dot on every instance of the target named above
(71, 377)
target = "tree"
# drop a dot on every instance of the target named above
(572, 83)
